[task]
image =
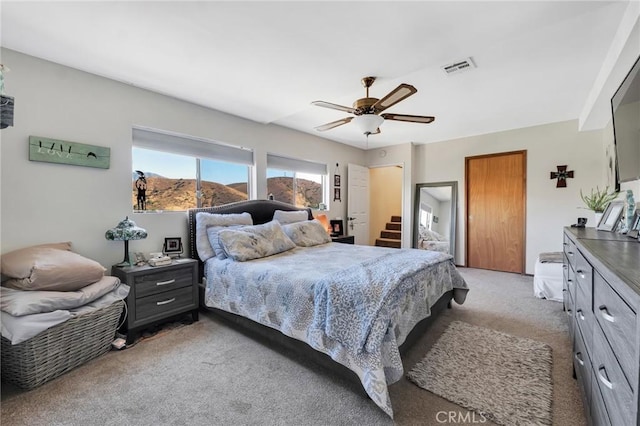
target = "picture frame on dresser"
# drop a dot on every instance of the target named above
(611, 216)
(634, 232)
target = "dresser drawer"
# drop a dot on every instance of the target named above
(570, 250)
(614, 387)
(584, 315)
(582, 366)
(583, 275)
(618, 321)
(164, 304)
(164, 280)
(599, 415)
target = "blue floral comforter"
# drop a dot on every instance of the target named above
(354, 303)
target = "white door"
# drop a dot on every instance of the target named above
(358, 203)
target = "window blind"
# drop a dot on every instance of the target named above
(191, 146)
(292, 164)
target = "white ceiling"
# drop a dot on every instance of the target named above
(266, 61)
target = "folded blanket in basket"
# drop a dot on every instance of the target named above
(21, 302)
(17, 329)
(551, 257)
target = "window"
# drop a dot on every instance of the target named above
(426, 215)
(298, 182)
(173, 172)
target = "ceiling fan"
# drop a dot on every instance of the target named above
(367, 110)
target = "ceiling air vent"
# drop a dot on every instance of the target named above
(458, 66)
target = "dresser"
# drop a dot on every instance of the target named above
(158, 293)
(602, 301)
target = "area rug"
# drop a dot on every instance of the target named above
(503, 378)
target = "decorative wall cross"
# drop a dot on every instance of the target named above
(562, 174)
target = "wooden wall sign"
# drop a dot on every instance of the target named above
(65, 152)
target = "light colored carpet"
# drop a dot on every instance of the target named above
(208, 373)
(501, 377)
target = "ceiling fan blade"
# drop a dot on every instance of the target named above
(334, 106)
(333, 124)
(396, 95)
(410, 118)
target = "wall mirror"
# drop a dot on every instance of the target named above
(434, 216)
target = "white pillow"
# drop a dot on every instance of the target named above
(254, 242)
(285, 217)
(308, 233)
(212, 235)
(206, 220)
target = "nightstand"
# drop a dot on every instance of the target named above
(345, 239)
(158, 292)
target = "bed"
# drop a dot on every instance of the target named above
(322, 309)
(547, 277)
(431, 240)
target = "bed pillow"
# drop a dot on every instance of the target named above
(207, 220)
(285, 217)
(254, 242)
(18, 263)
(308, 233)
(214, 241)
(51, 269)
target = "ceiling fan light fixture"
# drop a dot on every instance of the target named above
(368, 123)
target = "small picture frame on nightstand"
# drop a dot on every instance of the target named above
(172, 246)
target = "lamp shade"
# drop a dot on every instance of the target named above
(368, 123)
(126, 230)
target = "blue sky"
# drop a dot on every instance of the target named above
(178, 166)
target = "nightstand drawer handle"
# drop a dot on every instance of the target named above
(166, 282)
(164, 302)
(604, 312)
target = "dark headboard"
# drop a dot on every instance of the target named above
(260, 210)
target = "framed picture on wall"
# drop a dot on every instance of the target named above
(336, 194)
(336, 181)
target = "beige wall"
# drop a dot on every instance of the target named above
(548, 209)
(385, 198)
(43, 202)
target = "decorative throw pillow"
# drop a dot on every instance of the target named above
(206, 220)
(46, 268)
(308, 233)
(254, 242)
(212, 235)
(285, 217)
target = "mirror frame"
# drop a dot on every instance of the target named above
(454, 209)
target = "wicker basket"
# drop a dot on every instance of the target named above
(61, 348)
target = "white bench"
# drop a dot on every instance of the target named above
(547, 277)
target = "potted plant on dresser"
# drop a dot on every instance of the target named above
(597, 201)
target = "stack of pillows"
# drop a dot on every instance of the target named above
(50, 277)
(234, 236)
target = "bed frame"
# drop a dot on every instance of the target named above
(262, 212)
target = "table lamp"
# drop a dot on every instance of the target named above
(125, 230)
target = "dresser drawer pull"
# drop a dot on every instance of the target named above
(166, 282)
(564, 266)
(570, 253)
(164, 302)
(580, 315)
(581, 273)
(569, 312)
(603, 379)
(579, 358)
(605, 314)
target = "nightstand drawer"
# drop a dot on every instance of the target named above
(164, 304)
(164, 280)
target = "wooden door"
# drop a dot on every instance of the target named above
(495, 221)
